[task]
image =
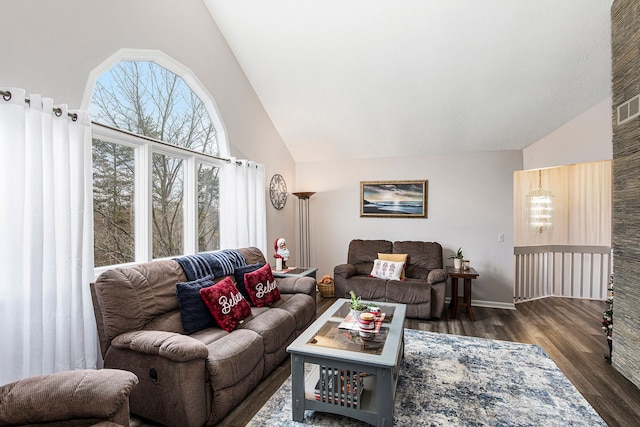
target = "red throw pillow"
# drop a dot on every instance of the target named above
(261, 286)
(226, 304)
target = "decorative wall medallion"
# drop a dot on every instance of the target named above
(278, 191)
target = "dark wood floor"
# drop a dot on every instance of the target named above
(567, 329)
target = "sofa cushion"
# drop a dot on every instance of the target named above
(275, 326)
(170, 321)
(193, 311)
(364, 267)
(226, 304)
(397, 258)
(422, 257)
(368, 288)
(300, 305)
(130, 297)
(411, 291)
(239, 276)
(252, 255)
(362, 253)
(389, 270)
(234, 357)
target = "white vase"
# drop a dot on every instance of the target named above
(356, 313)
(457, 263)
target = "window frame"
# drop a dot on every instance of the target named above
(165, 61)
(145, 147)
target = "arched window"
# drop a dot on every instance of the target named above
(155, 161)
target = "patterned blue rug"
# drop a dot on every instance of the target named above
(450, 380)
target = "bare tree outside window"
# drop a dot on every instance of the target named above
(113, 203)
(167, 217)
(208, 196)
(146, 99)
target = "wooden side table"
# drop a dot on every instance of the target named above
(468, 276)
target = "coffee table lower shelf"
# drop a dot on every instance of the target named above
(370, 408)
(364, 401)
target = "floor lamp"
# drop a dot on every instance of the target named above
(303, 216)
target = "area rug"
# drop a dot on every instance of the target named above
(450, 380)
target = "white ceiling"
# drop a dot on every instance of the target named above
(385, 78)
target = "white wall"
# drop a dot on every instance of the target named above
(50, 47)
(586, 138)
(470, 201)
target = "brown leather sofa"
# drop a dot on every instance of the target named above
(422, 290)
(72, 398)
(192, 380)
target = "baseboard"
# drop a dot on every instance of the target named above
(488, 304)
(493, 304)
(559, 296)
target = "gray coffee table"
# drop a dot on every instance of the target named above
(348, 372)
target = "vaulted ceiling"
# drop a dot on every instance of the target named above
(386, 78)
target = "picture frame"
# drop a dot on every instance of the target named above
(394, 199)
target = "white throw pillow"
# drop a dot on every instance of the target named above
(389, 270)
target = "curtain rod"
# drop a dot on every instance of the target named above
(148, 138)
(6, 95)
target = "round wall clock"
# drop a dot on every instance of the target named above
(278, 191)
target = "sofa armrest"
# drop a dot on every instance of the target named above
(341, 273)
(170, 345)
(344, 270)
(83, 394)
(297, 285)
(437, 275)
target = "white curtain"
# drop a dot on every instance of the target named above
(243, 201)
(46, 245)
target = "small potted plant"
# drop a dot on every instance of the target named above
(457, 259)
(356, 305)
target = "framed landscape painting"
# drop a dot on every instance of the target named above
(400, 199)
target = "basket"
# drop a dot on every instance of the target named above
(327, 289)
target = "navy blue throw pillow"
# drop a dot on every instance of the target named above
(193, 311)
(239, 273)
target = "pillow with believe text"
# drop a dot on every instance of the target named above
(226, 304)
(261, 287)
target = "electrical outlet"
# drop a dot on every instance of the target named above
(500, 237)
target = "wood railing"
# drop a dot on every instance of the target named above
(561, 270)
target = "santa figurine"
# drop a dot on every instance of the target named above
(282, 253)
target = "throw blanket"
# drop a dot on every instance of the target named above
(217, 264)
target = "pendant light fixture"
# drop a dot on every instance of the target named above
(540, 207)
